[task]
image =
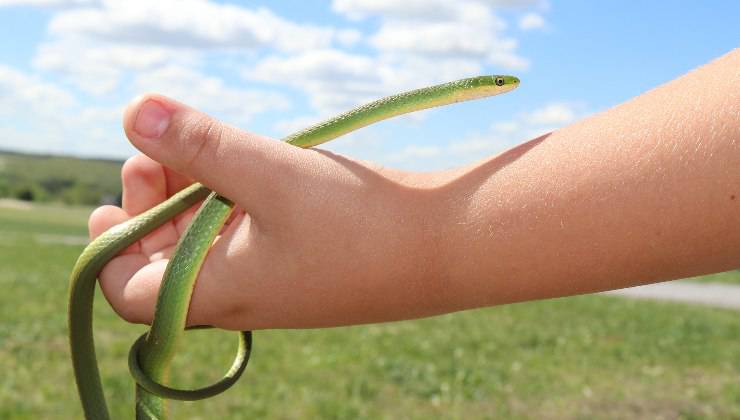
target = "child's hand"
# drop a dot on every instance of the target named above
(317, 239)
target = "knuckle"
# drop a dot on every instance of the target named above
(202, 141)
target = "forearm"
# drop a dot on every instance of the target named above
(644, 192)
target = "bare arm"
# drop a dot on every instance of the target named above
(647, 191)
(644, 192)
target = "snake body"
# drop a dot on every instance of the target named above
(151, 354)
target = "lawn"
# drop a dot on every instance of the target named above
(583, 357)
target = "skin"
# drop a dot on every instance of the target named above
(644, 192)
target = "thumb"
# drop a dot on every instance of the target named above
(196, 145)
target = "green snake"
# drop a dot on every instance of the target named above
(150, 356)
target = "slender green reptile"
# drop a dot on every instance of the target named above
(150, 356)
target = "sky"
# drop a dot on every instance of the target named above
(69, 67)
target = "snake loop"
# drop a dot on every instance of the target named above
(164, 391)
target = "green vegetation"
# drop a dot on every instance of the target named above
(730, 277)
(584, 357)
(59, 179)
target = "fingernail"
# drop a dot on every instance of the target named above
(152, 119)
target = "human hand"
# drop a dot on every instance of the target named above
(608, 202)
(317, 239)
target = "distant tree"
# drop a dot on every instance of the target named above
(56, 185)
(25, 194)
(4, 187)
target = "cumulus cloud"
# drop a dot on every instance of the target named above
(531, 21)
(409, 9)
(554, 114)
(499, 137)
(93, 47)
(477, 39)
(99, 68)
(49, 3)
(421, 9)
(59, 123)
(335, 80)
(189, 24)
(417, 43)
(210, 94)
(465, 29)
(105, 51)
(21, 91)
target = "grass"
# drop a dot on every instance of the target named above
(728, 277)
(59, 178)
(583, 357)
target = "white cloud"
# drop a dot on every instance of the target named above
(189, 24)
(529, 125)
(409, 9)
(465, 29)
(501, 136)
(416, 43)
(420, 9)
(336, 81)
(21, 93)
(95, 47)
(474, 40)
(117, 49)
(333, 79)
(98, 68)
(49, 3)
(531, 21)
(38, 116)
(558, 113)
(59, 123)
(210, 94)
(348, 37)
(190, 49)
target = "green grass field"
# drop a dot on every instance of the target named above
(583, 357)
(47, 178)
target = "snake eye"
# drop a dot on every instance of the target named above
(499, 81)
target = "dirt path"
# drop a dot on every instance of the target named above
(711, 294)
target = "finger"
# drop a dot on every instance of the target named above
(104, 218)
(130, 283)
(144, 184)
(239, 165)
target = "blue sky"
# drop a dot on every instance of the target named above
(67, 67)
